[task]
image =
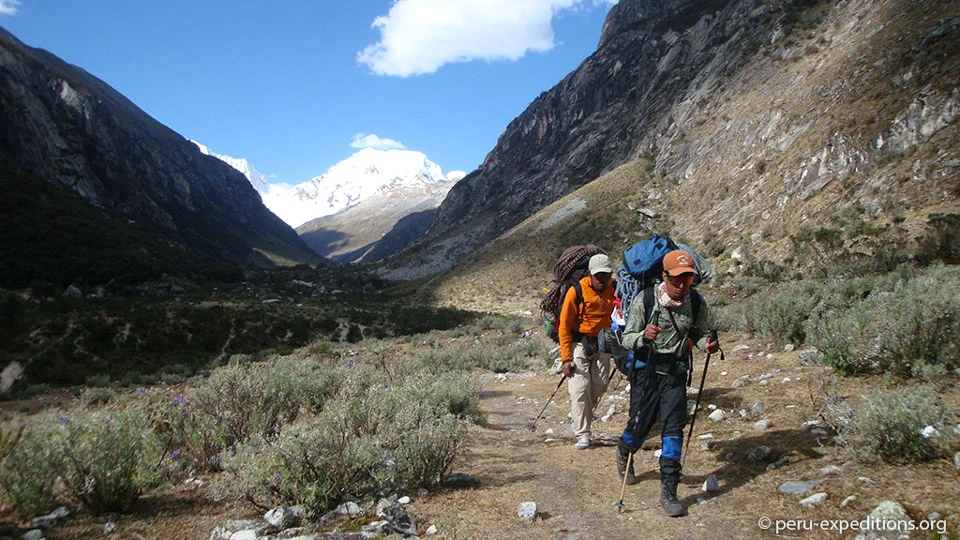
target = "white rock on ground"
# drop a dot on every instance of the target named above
(717, 415)
(527, 510)
(711, 485)
(814, 500)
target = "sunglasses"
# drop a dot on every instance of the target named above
(681, 280)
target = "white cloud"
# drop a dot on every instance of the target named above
(9, 7)
(362, 140)
(420, 36)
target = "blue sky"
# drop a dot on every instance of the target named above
(297, 86)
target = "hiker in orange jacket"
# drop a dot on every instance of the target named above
(581, 320)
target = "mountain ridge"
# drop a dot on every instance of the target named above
(761, 117)
(62, 125)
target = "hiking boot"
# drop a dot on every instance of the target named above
(622, 468)
(583, 442)
(668, 498)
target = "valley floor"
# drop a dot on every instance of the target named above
(575, 490)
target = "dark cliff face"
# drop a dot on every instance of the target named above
(61, 124)
(613, 108)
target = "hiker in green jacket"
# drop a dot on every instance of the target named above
(660, 395)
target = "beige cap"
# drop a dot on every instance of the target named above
(600, 263)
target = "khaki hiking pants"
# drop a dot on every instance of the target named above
(586, 387)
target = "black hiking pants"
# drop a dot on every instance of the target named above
(657, 397)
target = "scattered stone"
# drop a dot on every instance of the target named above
(72, 292)
(723, 373)
(740, 347)
(548, 432)
(759, 453)
(431, 530)
(710, 436)
(399, 519)
(35, 534)
(785, 380)
(459, 481)
(349, 509)
(893, 516)
(379, 527)
(240, 529)
(846, 502)
(929, 432)
(818, 432)
(789, 347)
(283, 517)
(610, 412)
(758, 408)
(705, 446)
(49, 520)
(809, 356)
(766, 376)
(717, 415)
(404, 500)
(795, 487)
(814, 500)
(711, 485)
(763, 383)
(831, 469)
(527, 510)
(956, 461)
(657, 453)
(109, 527)
(865, 480)
(712, 407)
(762, 425)
(741, 381)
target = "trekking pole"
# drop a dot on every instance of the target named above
(696, 408)
(533, 426)
(623, 486)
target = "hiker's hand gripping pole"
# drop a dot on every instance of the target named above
(533, 426)
(703, 377)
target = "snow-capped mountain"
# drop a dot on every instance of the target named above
(257, 180)
(357, 178)
(390, 183)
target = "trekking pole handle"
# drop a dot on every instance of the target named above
(713, 334)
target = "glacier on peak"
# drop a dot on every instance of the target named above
(366, 173)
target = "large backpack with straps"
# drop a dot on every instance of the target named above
(571, 266)
(642, 267)
(641, 270)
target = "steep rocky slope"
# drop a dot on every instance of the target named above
(61, 125)
(756, 117)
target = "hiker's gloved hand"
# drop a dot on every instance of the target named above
(567, 368)
(713, 346)
(650, 332)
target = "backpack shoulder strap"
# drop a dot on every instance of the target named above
(647, 295)
(697, 299)
(578, 290)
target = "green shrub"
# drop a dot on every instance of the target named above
(27, 478)
(97, 396)
(890, 424)
(782, 318)
(106, 461)
(904, 326)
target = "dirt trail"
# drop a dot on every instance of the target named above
(574, 489)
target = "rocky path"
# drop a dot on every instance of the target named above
(575, 489)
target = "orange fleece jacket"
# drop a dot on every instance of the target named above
(592, 315)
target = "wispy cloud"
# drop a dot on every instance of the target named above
(363, 140)
(9, 7)
(419, 36)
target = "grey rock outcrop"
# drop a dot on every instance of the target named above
(64, 126)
